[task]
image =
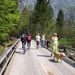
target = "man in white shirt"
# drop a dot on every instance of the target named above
(38, 40)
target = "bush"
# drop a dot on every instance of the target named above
(65, 41)
(3, 37)
(1, 49)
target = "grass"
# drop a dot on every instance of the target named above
(6, 45)
(1, 49)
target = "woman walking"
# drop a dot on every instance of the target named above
(54, 43)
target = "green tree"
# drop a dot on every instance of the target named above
(42, 17)
(24, 21)
(59, 23)
(9, 17)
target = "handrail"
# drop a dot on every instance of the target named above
(69, 51)
(65, 48)
(4, 60)
(69, 47)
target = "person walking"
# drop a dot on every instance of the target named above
(23, 40)
(38, 40)
(54, 43)
(47, 43)
(43, 40)
(29, 37)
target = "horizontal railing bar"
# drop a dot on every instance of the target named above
(8, 51)
(7, 56)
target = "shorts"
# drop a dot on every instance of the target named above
(28, 41)
(37, 42)
(23, 42)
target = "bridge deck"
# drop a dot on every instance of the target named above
(36, 62)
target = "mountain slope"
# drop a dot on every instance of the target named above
(68, 6)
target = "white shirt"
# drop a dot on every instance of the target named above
(43, 37)
(37, 38)
(55, 39)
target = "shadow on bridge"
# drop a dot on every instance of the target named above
(70, 62)
(52, 60)
(44, 55)
(21, 51)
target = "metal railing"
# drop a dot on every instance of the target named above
(4, 60)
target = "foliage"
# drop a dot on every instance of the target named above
(65, 41)
(9, 18)
(1, 49)
(24, 22)
(42, 17)
(66, 34)
(59, 23)
(69, 34)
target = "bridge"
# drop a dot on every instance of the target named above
(33, 62)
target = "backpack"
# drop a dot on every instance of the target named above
(29, 38)
(23, 38)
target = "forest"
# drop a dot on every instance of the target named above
(9, 19)
(40, 19)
